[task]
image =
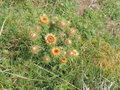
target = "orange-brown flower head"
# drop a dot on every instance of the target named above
(63, 60)
(72, 31)
(70, 53)
(53, 22)
(55, 51)
(35, 49)
(68, 42)
(62, 24)
(33, 35)
(62, 34)
(44, 19)
(46, 59)
(50, 39)
(37, 28)
(78, 38)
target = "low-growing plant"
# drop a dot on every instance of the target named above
(45, 45)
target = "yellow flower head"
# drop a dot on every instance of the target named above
(63, 60)
(44, 19)
(55, 51)
(50, 39)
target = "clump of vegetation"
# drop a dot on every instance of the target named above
(45, 45)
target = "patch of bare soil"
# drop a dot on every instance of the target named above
(113, 27)
(84, 4)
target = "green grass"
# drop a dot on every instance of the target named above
(98, 63)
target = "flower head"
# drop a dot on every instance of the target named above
(35, 49)
(62, 24)
(53, 22)
(79, 38)
(72, 31)
(68, 22)
(56, 18)
(70, 53)
(62, 34)
(50, 39)
(33, 35)
(64, 52)
(55, 51)
(37, 28)
(68, 42)
(44, 19)
(46, 59)
(75, 52)
(63, 60)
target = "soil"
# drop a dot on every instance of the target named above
(84, 4)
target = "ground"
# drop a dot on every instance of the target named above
(97, 67)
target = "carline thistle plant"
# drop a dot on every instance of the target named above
(56, 40)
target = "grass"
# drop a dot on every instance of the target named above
(96, 67)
